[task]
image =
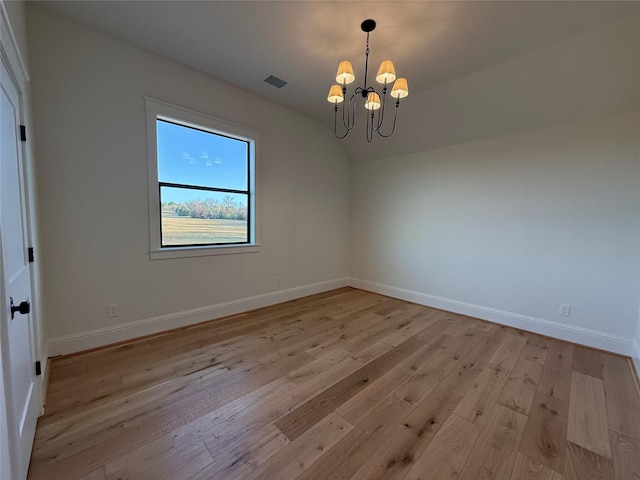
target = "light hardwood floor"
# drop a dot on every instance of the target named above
(345, 384)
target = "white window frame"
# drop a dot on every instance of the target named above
(159, 110)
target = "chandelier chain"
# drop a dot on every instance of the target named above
(366, 64)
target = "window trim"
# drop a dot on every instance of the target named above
(160, 110)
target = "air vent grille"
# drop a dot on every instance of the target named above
(275, 81)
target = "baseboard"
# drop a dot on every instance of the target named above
(635, 358)
(582, 336)
(127, 331)
(140, 328)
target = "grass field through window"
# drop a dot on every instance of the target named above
(178, 230)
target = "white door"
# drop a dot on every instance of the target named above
(17, 330)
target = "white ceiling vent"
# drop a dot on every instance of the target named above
(275, 81)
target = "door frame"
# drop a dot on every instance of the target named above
(13, 60)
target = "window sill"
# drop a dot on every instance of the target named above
(184, 252)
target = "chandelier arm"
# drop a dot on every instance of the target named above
(335, 124)
(381, 113)
(395, 118)
(344, 122)
(370, 126)
(351, 113)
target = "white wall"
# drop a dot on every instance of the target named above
(509, 228)
(91, 146)
(17, 18)
(522, 193)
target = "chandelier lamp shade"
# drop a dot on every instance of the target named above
(374, 100)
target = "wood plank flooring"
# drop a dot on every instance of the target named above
(342, 385)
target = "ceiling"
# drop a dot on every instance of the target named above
(301, 42)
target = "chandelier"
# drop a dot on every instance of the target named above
(373, 101)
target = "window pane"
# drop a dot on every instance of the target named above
(196, 217)
(192, 157)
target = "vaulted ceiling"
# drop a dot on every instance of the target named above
(301, 42)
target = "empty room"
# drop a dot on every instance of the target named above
(320, 240)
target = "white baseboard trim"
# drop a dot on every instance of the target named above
(128, 331)
(635, 357)
(570, 333)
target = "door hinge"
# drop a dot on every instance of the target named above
(23, 133)
(31, 257)
(38, 368)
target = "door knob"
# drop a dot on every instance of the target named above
(23, 308)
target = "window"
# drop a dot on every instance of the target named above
(202, 187)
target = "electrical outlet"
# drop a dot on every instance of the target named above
(112, 310)
(565, 310)
(279, 281)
